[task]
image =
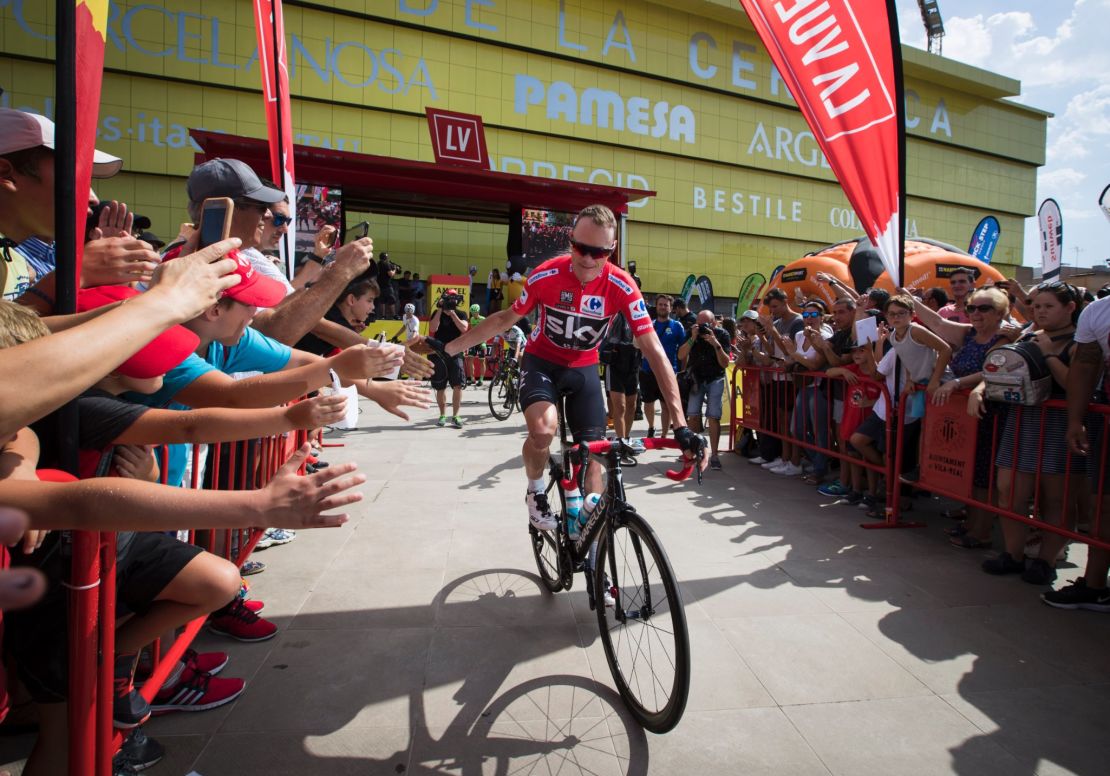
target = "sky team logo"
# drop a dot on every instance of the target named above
(592, 305)
(638, 310)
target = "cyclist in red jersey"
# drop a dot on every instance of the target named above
(576, 296)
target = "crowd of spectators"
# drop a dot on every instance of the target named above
(175, 350)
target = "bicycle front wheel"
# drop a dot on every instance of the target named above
(644, 630)
(502, 397)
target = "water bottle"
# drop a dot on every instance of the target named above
(588, 507)
(574, 506)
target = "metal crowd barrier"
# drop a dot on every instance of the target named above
(93, 741)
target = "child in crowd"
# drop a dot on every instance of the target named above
(862, 393)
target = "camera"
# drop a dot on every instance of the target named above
(449, 300)
(704, 328)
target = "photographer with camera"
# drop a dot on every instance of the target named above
(706, 357)
(387, 300)
(446, 325)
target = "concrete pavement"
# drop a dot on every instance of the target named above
(417, 639)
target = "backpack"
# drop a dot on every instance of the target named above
(1017, 374)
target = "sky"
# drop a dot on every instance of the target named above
(1060, 51)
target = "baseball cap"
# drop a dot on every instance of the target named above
(475, 308)
(253, 288)
(20, 130)
(749, 315)
(229, 178)
(161, 354)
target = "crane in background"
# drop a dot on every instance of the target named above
(934, 27)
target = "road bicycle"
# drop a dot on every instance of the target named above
(639, 609)
(504, 389)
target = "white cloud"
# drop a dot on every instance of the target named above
(1083, 127)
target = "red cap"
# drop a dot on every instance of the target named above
(54, 475)
(253, 288)
(162, 354)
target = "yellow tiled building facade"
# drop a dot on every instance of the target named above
(678, 98)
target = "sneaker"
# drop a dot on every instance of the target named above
(851, 498)
(1078, 596)
(758, 460)
(637, 445)
(787, 470)
(539, 511)
(137, 753)
(252, 567)
(715, 463)
(238, 622)
(253, 605)
(265, 542)
(197, 691)
(279, 535)
(442, 421)
(867, 502)
(1039, 572)
(129, 708)
(1003, 564)
(456, 422)
(833, 488)
(772, 464)
(479, 384)
(191, 660)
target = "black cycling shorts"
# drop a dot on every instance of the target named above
(543, 381)
(622, 380)
(649, 387)
(450, 371)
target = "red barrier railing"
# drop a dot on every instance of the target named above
(1076, 468)
(93, 741)
(765, 395)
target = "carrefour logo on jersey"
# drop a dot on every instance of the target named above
(638, 310)
(616, 281)
(592, 305)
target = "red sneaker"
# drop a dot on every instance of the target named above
(197, 691)
(204, 662)
(239, 622)
(254, 606)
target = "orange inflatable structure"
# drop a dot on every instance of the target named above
(856, 263)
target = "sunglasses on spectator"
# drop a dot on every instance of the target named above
(280, 220)
(250, 204)
(980, 308)
(592, 251)
(809, 314)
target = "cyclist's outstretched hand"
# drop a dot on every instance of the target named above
(692, 445)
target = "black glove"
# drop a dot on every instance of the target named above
(438, 348)
(689, 442)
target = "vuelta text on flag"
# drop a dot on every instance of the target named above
(91, 32)
(841, 60)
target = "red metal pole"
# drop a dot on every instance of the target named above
(84, 580)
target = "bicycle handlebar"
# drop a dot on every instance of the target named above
(605, 446)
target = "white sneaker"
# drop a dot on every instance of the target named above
(787, 470)
(636, 444)
(539, 511)
(758, 461)
(773, 464)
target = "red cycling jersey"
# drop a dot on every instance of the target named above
(573, 317)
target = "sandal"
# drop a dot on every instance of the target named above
(969, 543)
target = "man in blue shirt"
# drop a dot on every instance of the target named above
(671, 336)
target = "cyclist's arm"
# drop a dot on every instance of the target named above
(498, 323)
(653, 351)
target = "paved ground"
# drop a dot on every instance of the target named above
(416, 639)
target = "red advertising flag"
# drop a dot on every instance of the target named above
(273, 66)
(842, 61)
(91, 33)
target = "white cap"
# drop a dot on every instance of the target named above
(20, 130)
(410, 309)
(516, 276)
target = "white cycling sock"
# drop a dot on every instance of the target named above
(537, 486)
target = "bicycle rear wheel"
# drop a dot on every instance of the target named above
(644, 632)
(502, 396)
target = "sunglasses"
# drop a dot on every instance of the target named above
(592, 251)
(811, 314)
(981, 308)
(280, 220)
(249, 204)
